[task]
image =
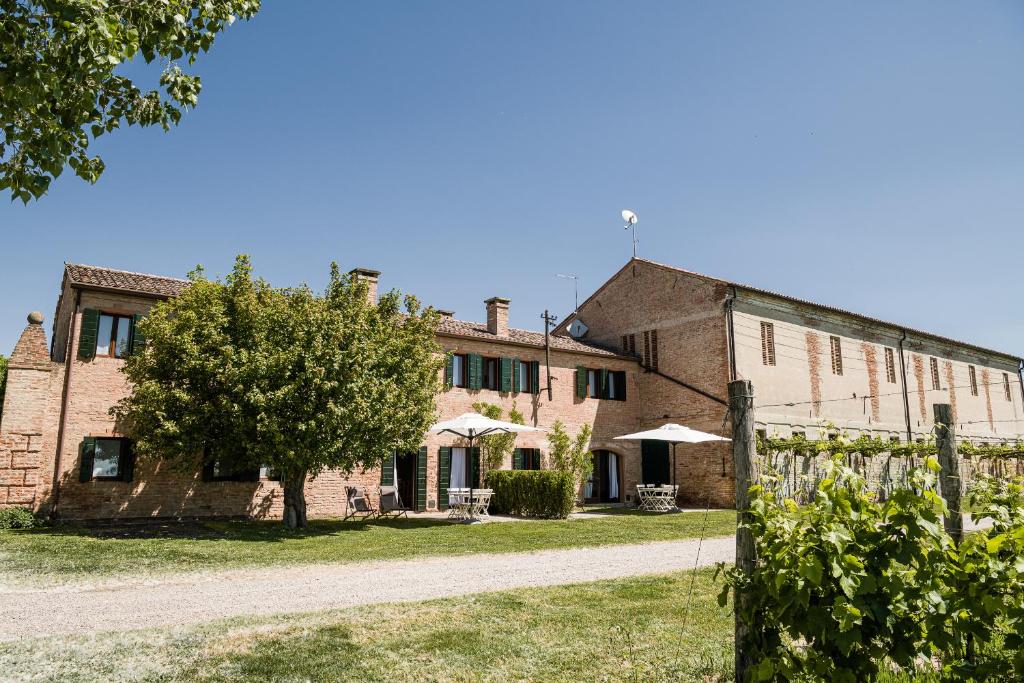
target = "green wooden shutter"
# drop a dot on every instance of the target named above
(87, 454)
(517, 459)
(581, 382)
(516, 369)
(535, 380)
(421, 480)
(387, 471)
(87, 336)
(126, 463)
(444, 466)
(476, 371)
(138, 339)
(449, 370)
(505, 367)
(602, 390)
(474, 467)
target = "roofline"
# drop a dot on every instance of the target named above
(119, 290)
(129, 272)
(826, 307)
(596, 352)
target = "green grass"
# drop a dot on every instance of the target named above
(622, 630)
(68, 554)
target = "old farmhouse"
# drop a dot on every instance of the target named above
(654, 344)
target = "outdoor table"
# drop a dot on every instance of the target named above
(462, 507)
(656, 498)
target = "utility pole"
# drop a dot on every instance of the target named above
(548, 321)
(744, 448)
(949, 476)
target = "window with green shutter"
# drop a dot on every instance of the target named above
(535, 377)
(581, 382)
(106, 459)
(444, 466)
(87, 336)
(476, 371)
(449, 370)
(138, 342)
(86, 454)
(421, 479)
(506, 375)
(387, 471)
(517, 459)
(517, 379)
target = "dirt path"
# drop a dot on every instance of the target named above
(189, 599)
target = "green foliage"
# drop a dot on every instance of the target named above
(282, 377)
(569, 454)
(846, 586)
(59, 86)
(18, 518)
(872, 446)
(494, 448)
(532, 493)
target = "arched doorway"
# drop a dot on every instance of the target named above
(604, 485)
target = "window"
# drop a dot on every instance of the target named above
(974, 379)
(1006, 386)
(837, 356)
(268, 472)
(113, 335)
(625, 343)
(106, 459)
(526, 459)
(767, 343)
(490, 377)
(458, 370)
(615, 388)
(632, 343)
(526, 377)
(934, 363)
(596, 383)
(890, 366)
(215, 470)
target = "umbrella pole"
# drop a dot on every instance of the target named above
(469, 476)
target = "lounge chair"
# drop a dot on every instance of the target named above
(391, 502)
(357, 504)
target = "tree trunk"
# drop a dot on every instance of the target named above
(294, 499)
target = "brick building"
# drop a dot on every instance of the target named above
(656, 344)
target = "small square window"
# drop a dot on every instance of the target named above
(106, 463)
(113, 335)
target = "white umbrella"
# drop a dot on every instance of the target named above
(472, 426)
(674, 434)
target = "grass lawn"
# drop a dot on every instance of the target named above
(68, 554)
(622, 630)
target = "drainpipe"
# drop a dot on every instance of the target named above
(64, 404)
(730, 333)
(1020, 376)
(906, 396)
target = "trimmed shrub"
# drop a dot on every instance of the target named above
(18, 518)
(532, 493)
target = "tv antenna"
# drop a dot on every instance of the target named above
(630, 219)
(576, 288)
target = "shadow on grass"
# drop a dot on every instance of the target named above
(237, 530)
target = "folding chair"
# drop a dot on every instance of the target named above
(357, 504)
(391, 503)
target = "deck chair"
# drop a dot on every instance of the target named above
(391, 503)
(357, 504)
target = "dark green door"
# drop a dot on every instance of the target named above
(654, 462)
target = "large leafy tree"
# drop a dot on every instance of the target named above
(59, 81)
(248, 375)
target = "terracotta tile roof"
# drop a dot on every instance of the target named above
(461, 328)
(825, 307)
(125, 280)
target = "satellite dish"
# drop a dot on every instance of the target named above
(577, 329)
(629, 217)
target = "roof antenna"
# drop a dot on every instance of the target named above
(576, 286)
(630, 219)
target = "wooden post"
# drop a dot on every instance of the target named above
(744, 447)
(949, 477)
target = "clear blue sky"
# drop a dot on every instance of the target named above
(869, 156)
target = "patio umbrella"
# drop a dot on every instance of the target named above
(674, 434)
(472, 426)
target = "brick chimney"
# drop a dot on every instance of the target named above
(497, 316)
(445, 313)
(370, 277)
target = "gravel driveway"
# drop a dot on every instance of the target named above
(189, 599)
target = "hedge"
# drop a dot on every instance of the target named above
(18, 518)
(532, 493)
